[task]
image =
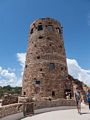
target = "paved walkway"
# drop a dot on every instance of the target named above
(17, 116)
(70, 114)
(55, 113)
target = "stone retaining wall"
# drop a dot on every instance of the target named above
(54, 103)
(18, 107)
(9, 99)
(10, 109)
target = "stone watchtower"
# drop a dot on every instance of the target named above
(45, 68)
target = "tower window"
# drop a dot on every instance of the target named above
(38, 82)
(50, 27)
(61, 68)
(40, 37)
(40, 27)
(40, 69)
(38, 57)
(35, 45)
(51, 66)
(24, 93)
(58, 30)
(25, 66)
(31, 31)
(50, 45)
(53, 93)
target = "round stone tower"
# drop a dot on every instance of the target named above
(45, 67)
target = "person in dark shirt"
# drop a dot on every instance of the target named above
(78, 100)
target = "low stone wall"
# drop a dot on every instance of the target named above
(18, 107)
(9, 99)
(10, 109)
(54, 103)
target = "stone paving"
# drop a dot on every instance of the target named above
(70, 114)
(55, 113)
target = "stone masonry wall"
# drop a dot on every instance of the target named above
(9, 99)
(45, 68)
(18, 107)
(10, 109)
(54, 103)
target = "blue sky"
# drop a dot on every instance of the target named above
(15, 19)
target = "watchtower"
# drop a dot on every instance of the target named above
(45, 67)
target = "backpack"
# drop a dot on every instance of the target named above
(88, 97)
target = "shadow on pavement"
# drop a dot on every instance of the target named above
(85, 113)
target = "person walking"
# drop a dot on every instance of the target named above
(88, 98)
(78, 100)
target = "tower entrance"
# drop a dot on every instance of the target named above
(68, 94)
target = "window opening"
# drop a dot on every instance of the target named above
(38, 82)
(53, 93)
(61, 68)
(38, 57)
(25, 66)
(31, 31)
(24, 93)
(50, 27)
(50, 45)
(58, 30)
(40, 37)
(40, 27)
(51, 66)
(40, 69)
(35, 45)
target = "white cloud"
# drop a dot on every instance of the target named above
(21, 59)
(7, 77)
(77, 72)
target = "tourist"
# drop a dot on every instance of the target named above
(88, 98)
(78, 100)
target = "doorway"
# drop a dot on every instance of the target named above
(68, 94)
